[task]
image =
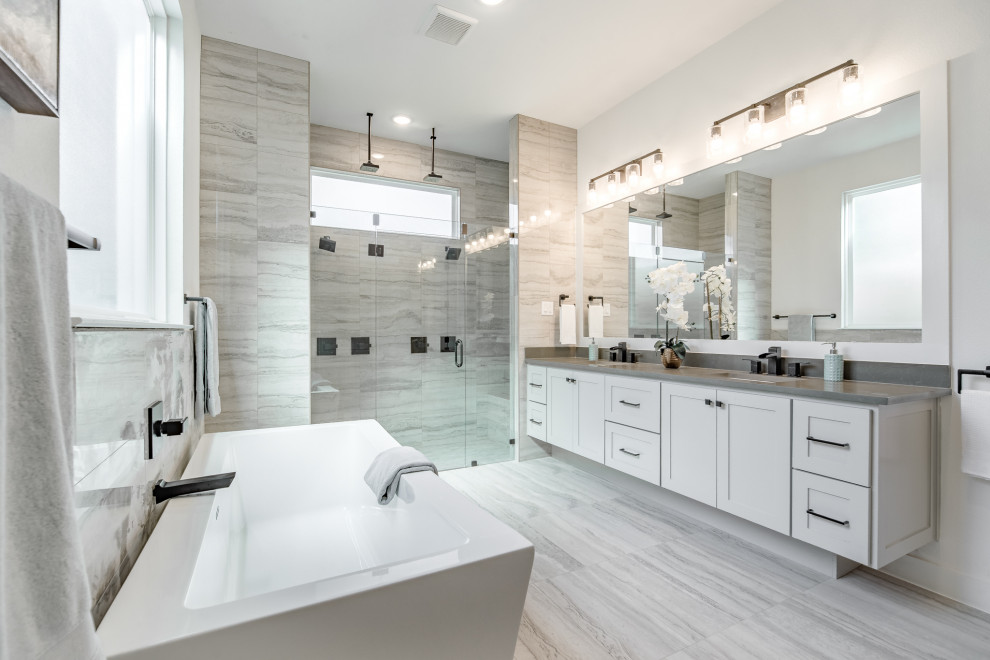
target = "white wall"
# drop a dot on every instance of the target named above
(893, 39)
(806, 210)
(190, 173)
(29, 151)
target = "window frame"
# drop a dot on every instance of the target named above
(452, 192)
(848, 197)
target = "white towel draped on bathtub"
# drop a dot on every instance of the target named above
(44, 592)
(386, 470)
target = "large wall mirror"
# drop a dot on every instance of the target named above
(820, 236)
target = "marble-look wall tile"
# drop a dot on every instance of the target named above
(254, 220)
(748, 236)
(118, 374)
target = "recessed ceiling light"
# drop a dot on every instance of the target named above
(402, 120)
(652, 191)
(817, 131)
(772, 147)
(733, 161)
(378, 156)
(676, 182)
(491, 2)
(869, 113)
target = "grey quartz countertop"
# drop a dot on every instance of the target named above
(846, 391)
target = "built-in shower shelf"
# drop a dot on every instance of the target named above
(323, 389)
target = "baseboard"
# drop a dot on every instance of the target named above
(967, 590)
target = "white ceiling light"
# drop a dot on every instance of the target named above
(772, 147)
(733, 161)
(402, 120)
(676, 182)
(817, 131)
(869, 113)
(377, 156)
(491, 3)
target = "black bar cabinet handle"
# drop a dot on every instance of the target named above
(631, 405)
(709, 402)
(720, 404)
(829, 442)
(536, 422)
(535, 385)
(844, 523)
(631, 453)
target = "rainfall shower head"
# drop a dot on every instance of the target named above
(664, 215)
(328, 244)
(453, 254)
(433, 177)
(369, 166)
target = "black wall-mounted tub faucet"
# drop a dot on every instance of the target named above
(166, 490)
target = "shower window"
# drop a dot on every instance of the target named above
(882, 241)
(371, 203)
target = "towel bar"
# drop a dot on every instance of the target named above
(592, 299)
(190, 299)
(817, 316)
(561, 298)
(969, 372)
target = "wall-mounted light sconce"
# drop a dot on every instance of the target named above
(792, 102)
(628, 176)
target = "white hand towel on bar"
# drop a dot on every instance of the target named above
(207, 357)
(568, 324)
(596, 321)
(44, 592)
(975, 409)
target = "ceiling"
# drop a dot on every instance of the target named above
(563, 61)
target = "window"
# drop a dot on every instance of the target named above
(354, 201)
(114, 137)
(645, 236)
(881, 274)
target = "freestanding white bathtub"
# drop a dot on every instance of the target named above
(297, 560)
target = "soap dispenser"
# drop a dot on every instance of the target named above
(592, 350)
(834, 370)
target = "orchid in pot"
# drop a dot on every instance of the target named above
(718, 308)
(671, 284)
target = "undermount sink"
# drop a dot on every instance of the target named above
(754, 380)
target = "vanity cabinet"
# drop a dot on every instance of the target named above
(536, 402)
(576, 412)
(730, 450)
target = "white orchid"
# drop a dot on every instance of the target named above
(718, 286)
(672, 283)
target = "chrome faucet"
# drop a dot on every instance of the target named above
(166, 490)
(775, 362)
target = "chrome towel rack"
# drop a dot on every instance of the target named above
(970, 372)
(816, 316)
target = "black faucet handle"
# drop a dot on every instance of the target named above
(170, 426)
(755, 366)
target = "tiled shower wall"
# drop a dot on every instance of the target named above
(543, 157)
(254, 229)
(422, 399)
(747, 230)
(118, 374)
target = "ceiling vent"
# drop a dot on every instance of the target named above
(447, 25)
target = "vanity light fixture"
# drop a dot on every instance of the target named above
(851, 84)
(369, 166)
(592, 193)
(796, 102)
(658, 163)
(792, 102)
(632, 174)
(817, 131)
(869, 113)
(433, 177)
(715, 142)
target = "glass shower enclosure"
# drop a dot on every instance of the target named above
(409, 317)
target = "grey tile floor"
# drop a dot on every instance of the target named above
(617, 576)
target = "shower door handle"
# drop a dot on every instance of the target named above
(458, 353)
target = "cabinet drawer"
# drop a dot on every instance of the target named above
(833, 441)
(536, 384)
(536, 420)
(842, 523)
(633, 451)
(634, 402)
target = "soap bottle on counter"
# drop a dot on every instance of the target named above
(834, 370)
(592, 350)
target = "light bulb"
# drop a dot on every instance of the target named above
(851, 86)
(796, 104)
(474, 243)
(610, 186)
(715, 142)
(754, 123)
(658, 164)
(592, 193)
(632, 174)
(491, 236)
